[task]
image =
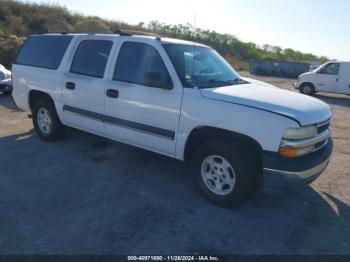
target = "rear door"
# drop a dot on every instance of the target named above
(143, 97)
(84, 84)
(327, 78)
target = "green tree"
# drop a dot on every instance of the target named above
(18, 20)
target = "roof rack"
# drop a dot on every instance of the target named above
(118, 32)
(122, 33)
(66, 33)
(134, 32)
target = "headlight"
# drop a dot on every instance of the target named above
(300, 133)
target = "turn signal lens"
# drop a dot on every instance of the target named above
(288, 152)
(295, 152)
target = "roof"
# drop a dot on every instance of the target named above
(182, 42)
(341, 62)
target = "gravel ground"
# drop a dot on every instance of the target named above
(90, 195)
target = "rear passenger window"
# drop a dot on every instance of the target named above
(44, 51)
(135, 60)
(91, 58)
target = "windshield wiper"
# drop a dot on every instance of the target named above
(238, 81)
(213, 81)
(228, 82)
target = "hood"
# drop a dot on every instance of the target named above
(304, 109)
(307, 74)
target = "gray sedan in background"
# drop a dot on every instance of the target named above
(5, 80)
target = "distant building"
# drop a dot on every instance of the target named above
(276, 68)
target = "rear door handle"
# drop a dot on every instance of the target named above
(112, 93)
(70, 85)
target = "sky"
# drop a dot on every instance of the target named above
(321, 27)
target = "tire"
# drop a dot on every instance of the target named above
(307, 89)
(45, 115)
(240, 180)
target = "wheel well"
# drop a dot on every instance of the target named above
(35, 95)
(308, 83)
(201, 134)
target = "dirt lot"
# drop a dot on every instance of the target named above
(89, 195)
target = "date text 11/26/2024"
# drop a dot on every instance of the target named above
(173, 258)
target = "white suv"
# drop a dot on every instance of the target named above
(177, 98)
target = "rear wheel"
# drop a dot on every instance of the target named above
(226, 173)
(46, 122)
(307, 89)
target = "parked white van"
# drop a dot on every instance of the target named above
(177, 98)
(331, 77)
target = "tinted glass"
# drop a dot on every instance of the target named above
(331, 69)
(2, 75)
(43, 51)
(200, 66)
(136, 61)
(91, 58)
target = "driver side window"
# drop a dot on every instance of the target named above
(141, 64)
(330, 69)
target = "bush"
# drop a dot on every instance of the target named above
(19, 20)
(9, 47)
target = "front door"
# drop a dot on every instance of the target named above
(143, 101)
(83, 86)
(327, 78)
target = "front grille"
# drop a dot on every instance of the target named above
(319, 145)
(323, 126)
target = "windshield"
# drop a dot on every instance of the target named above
(201, 66)
(319, 67)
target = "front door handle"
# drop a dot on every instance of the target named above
(112, 93)
(70, 85)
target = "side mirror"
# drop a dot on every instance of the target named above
(158, 79)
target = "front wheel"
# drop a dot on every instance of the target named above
(307, 89)
(226, 173)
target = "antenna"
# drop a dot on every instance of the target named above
(194, 27)
(194, 42)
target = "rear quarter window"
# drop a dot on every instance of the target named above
(43, 51)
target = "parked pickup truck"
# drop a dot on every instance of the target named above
(331, 77)
(177, 98)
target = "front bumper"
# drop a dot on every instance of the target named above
(281, 173)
